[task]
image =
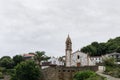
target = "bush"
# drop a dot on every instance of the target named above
(87, 75)
(109, 62)
(10, 71)
(112, 69)
(97, 77)
(83, 75)
(1, 75)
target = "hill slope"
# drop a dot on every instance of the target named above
(98, 49)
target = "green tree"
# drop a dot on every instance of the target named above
(8, 57)
(118, 50)
(27, 70)
(111, 47)
(40, 56)
(90, 49)
(17, 59)
(6, 62)
(102, 48)
(98, 49)
(95, 44)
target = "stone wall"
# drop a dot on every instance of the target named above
(64, 73)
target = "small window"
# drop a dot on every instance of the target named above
(68, 70)
(78, 57)
(64, 70)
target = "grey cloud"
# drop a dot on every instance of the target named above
(30, 25)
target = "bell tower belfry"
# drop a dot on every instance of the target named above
(68, 51)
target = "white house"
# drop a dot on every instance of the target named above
(56, 61)
(53, 61)
(97, 59)
(113, 55)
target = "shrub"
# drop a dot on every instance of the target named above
(1, 75)
(109, 62)
(88, 75)
(112, 68)
(84, 75)
(96, 77)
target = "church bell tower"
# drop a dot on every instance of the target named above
(68, 51)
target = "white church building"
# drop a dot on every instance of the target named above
(78, 58)
(73, 59)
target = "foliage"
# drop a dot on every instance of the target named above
(113, 71)
(40, 56)
(17, 59)
(83, 75)
(6, 62)
(112, 68)
(96, 77)
(97, 49)
(1, 75)
(109, 62)
(27, 70)
(118, 50)
(87, 75)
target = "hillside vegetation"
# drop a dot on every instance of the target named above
(88, 75)
(98, 49)
(112, 69)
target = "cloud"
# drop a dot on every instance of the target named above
(31, 25)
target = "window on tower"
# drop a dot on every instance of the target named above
(78, 57)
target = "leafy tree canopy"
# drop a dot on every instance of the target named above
(98, 49)
(27, 70)
(6, 62)
(17, 59)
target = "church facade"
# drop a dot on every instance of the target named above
(78, 58)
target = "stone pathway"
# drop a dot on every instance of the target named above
(108, 77)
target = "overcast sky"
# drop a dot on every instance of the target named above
(43, 25)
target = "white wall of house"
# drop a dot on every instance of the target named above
(97, 59)
(82, 58)
(55, 61)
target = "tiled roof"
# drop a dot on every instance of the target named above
(28, 55)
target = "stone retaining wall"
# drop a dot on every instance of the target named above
(64, 73)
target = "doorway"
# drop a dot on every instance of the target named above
(78, 64)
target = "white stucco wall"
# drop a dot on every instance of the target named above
(55, 61)
(83, 59)
(101, 68)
